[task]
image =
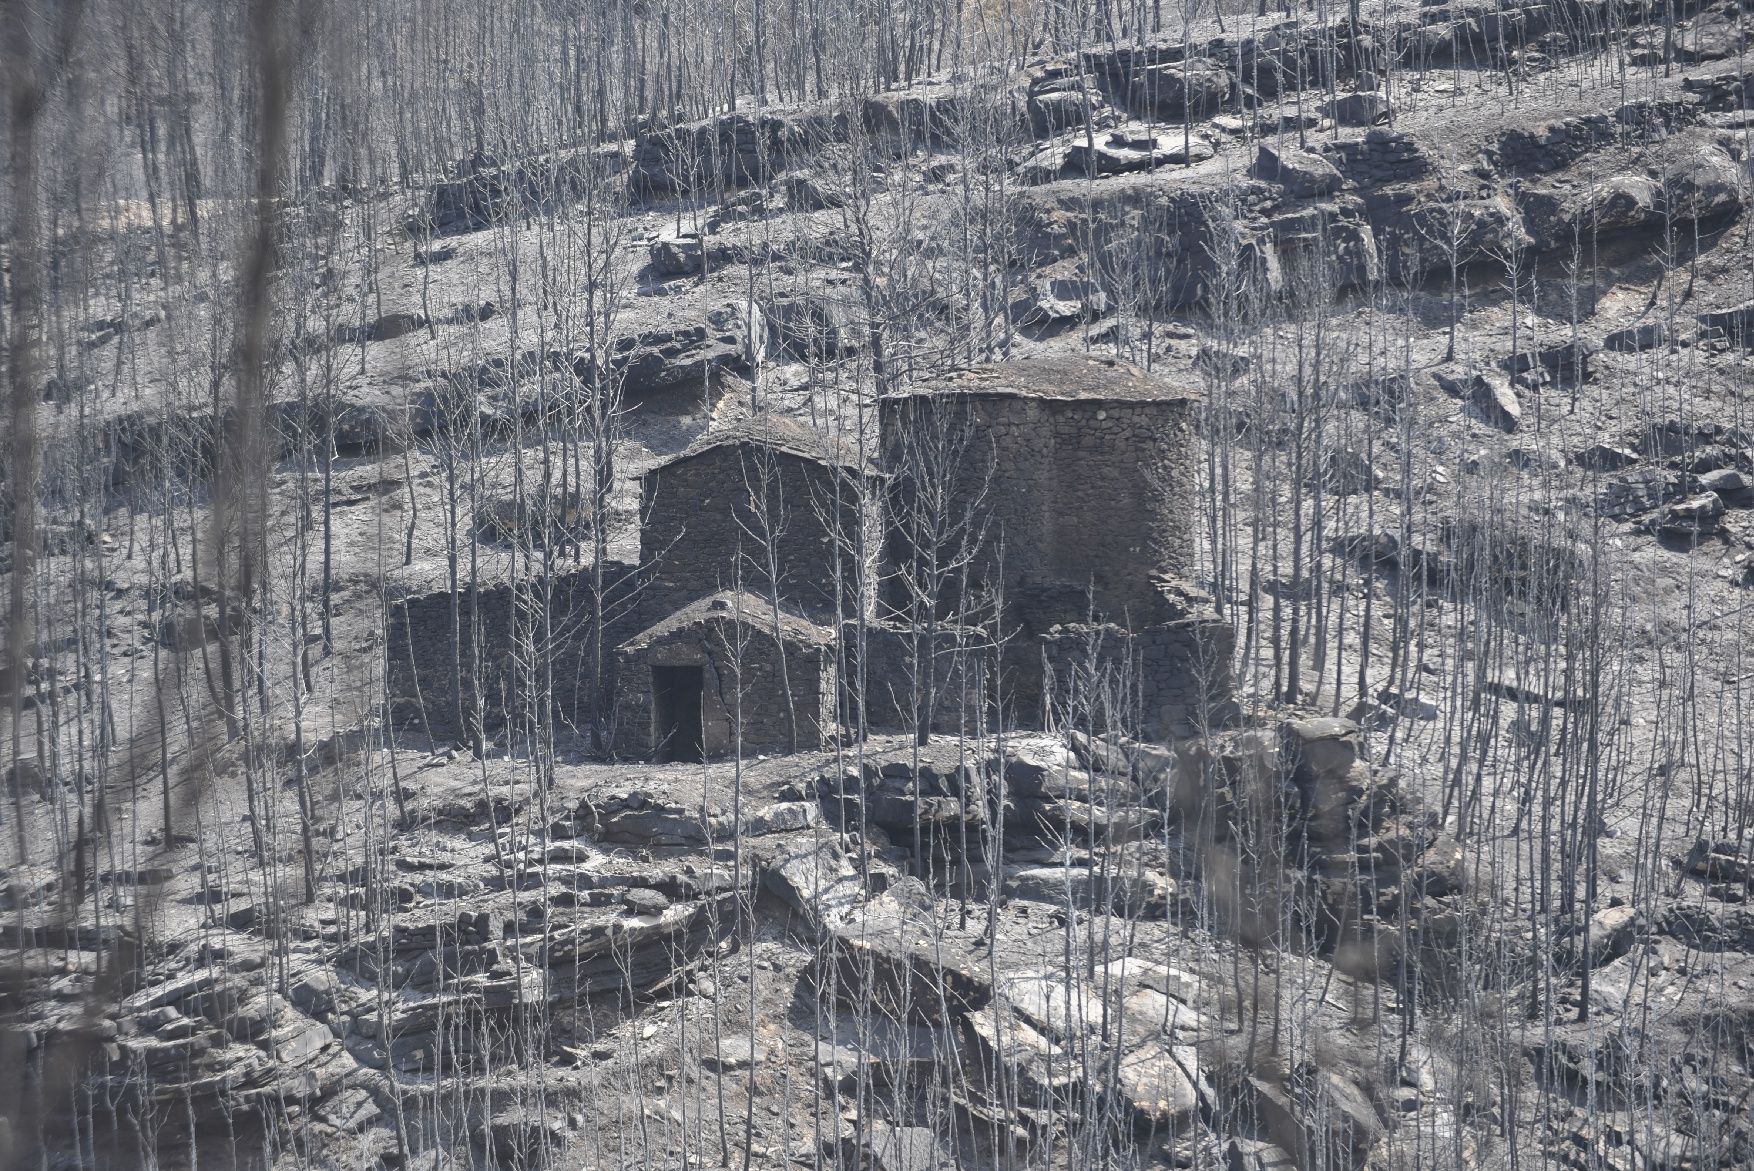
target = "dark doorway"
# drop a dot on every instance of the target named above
(676, 694)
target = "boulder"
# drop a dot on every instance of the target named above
(724, 341)
(1060, 110)
(1122, 152)
(1604, 457)
(1620, 203)
(1348, 472)
(1726, 482)
(1301, 172)
(1127, 891)
(1611, 933)
(1637, 491)
(1360, 109)
(1328, 1123)
(1320, 750)
(1052, 300)
(1497, 401)
(1196, 88)
(1692, 518)
(815, 325)
(903, 1148)
(1737, 324)
(1158, 1081)
(1704, 184)
(806, 192)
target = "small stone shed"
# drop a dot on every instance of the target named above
(1085, 469)
(722, 673)
(710, 511)
(456, 660)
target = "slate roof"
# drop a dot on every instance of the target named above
(776, 432)
(732, 606)
(1078, 377)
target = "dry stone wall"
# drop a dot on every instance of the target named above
(708, 517)
(454, 659)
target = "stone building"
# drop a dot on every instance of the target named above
(1071, 480)
(723, 674)
(456, 662)
(1069, 488)
(756, 499)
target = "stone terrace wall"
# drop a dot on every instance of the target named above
(518, 640)
(1174, 679)
(1550, 146)
(891, 680)
(1381, 156)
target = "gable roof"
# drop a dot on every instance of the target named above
(732, 606)
(1077, 377)
(775, 432)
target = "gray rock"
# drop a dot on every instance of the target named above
(1736, 323)
(725, 341)
(1301, 172)
(805, 192)
(1347, 472)
(1052, 300)
(905, 1148)
(1124, 891)
(1196, 88)
(1637, 338)
(1694, 517)
(1051, 113)
(1611, 933)
(1497, 401)
(1638, 490)
(1322, 749)
(1360, 109)
(1604, 457)
(816, 325)
(786, 817)
(1123, 152)
(1725, 482)
(734, 1053)
(1158, 1081)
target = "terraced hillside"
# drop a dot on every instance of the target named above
(1127, 591)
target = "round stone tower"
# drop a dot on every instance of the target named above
(1071, 481)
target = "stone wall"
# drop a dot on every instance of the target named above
(454, 660)
(747, 678)
(1082, 474)
(701, 514)
(892, 683)
(1164, 682)
(1381, 156)
(1550, 146)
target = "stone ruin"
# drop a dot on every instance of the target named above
(788, 589)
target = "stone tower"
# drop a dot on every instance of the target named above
(1072, 481)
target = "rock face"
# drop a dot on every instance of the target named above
(1196, 88)
(687, 362)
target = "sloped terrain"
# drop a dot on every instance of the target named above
(1467, 295)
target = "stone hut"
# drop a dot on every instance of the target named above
(1083, 471)
(455, 660)
(711, 511)
(723, 673)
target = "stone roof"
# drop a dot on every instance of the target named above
(1076, 377)
(776, 432)
(732, 606)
